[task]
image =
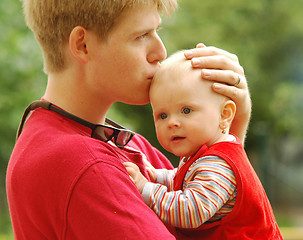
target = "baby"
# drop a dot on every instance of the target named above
(214, 193)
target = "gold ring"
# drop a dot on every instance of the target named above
(238, 82)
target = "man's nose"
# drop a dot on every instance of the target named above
(158, 52)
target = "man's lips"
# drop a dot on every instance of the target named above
(151, 75)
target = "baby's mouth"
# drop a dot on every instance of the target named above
(176, 138)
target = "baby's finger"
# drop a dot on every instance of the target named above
(147, 163)
(131, 168)
(151, 174)
(148, 166)
(130, 164)
(132, 178)
(131, 171)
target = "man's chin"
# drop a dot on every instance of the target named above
(139, 101)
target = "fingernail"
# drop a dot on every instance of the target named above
(188, 54)
(200, 45)
(206, 73)
(217, 86)
(195, 61)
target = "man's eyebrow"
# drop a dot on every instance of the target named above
(148, 29)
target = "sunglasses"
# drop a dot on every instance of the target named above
(118, 134)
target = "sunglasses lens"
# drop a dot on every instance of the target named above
(108, 132)
(102, 133)
(119, 136)
(123, 138)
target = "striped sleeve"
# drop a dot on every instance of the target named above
(165, 177)
(209, 186)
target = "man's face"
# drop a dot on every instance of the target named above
(129, 58)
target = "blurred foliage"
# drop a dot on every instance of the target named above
(266, 35)
(21, 81)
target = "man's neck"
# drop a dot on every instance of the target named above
(69, 92)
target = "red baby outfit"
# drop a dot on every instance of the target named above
(252, 216)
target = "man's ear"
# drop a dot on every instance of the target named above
(77, 44)
(228, 112)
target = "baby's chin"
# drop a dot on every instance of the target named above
(181, 153)
(190, 153)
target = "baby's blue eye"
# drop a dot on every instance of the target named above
(186, 110)
(163, 115)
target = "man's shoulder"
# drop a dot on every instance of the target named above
(50, 139)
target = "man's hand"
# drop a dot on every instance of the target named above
(224, 68)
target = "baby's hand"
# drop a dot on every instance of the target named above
(135, 175)
(150, 170)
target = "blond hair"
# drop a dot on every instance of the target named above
(176, 64)
(53, 20)
(178, 67)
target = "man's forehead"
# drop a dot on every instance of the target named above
(139, 19)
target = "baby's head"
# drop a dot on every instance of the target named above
(187, 112)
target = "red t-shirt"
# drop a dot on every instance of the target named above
(62, 184)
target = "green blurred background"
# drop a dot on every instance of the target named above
(266, 35)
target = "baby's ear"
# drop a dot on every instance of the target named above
(228, 112)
